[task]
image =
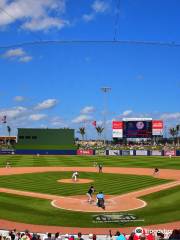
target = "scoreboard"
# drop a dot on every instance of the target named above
(137, 128)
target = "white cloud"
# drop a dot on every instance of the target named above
(37, 117)
(87, 109)
(13, 53)
(45, 24)
(18, 54)
(99, 123)
(20, 116)
(58, 122)
(25, 59)
(88, 17)
(127, 113)
(19, 98)
(46, 104)
(30, 12)
(82, 118)
(170, 116)
(13, 112)
(100, 6)
(130, 113)
(2, 3)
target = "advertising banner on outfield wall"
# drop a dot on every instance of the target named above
(170, 152)
(177, 152)
(156, 153)
(125, 152)
(100, 152)
(85, 152)
(7, 152)
(132, 152)
(141, 152)
(114, 152)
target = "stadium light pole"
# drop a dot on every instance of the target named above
(105, 91)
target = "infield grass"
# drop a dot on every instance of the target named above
(110, 184)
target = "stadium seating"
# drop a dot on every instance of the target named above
(138, 234)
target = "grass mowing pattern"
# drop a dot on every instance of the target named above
(108, 183)
(111, 161)
(161, 208)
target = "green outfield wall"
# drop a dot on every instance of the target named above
(41, 138)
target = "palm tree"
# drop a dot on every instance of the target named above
(173, 133)
(82, 131)
(99, 130)
(9, 130)
(178, 130)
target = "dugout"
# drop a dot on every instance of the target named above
(45, 139)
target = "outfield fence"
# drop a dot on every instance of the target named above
(90, 152)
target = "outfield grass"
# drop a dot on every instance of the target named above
(113, 161)
(110, 184)
(162, 207)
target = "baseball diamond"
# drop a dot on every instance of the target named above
(127, 189)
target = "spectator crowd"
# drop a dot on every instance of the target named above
(138, 234)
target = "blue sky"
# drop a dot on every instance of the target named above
(58, 85)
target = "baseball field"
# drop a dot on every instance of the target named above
(30, 191)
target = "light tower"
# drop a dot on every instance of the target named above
(105, 91)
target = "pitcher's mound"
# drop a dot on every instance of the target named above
(81, 180)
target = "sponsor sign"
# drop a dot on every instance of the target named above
(170, 153)
(117, 129)
(117, 125)
(100, 152)
(157, 132)
(157, 127)
(117, 133)
(157, 124)
(85, 152)
(177, 152)
(141, 152)
(114, 152)
(7, 151)
(125, 152)
(131, 152)
(156, 153)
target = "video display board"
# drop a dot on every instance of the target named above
(137, 129)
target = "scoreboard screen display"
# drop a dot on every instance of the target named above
(137, 129)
